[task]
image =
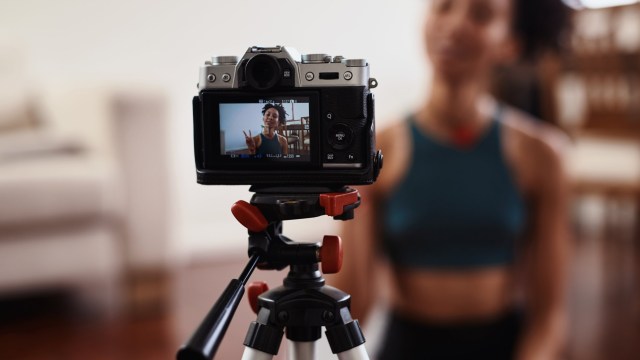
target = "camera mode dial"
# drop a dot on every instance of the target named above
(224, 60)
(355, 62)
(316, 58)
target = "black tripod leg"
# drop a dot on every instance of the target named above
(345, 337)
(263, 339)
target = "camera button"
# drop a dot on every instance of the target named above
(351, 157)
(348, 75)
(340, 136)
(226, 77)
(309, 76)
(329, 115)
(330, 157)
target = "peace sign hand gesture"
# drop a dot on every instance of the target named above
(250, 141)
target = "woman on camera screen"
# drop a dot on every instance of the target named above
(470, 210)
(269, 142)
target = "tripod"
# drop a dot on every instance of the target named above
(303, 304)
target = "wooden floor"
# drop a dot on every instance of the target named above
(48, 326)
(605, 309)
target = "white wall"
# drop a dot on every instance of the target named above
(161, 44)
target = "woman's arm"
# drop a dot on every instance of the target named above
(547, 261)
(357, 276)
(284, 144)
(360, 275)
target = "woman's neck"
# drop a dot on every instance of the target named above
(454, 106)
(269, 132)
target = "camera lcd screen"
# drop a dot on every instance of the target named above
(266, 129)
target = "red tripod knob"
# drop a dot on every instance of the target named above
(334, 203)
(331, 254)
(254, 290)
(249, 216)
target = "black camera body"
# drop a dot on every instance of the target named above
(323, 134)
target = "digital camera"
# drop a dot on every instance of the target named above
(278, 118)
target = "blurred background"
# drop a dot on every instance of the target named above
(110, 250)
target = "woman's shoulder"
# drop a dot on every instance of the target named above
(388, 134)
(539, 145)
(535, 134)
(282, 138)
(394, 139)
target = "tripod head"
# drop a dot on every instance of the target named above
(269, 249)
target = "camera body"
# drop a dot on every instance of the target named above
(277, 118)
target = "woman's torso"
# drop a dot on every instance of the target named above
(453, 197)
(269, 146)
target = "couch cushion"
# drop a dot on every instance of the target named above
(17, 145)
(58, 256)
(56, 187)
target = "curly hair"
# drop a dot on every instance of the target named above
(541, 25)
(282, 113)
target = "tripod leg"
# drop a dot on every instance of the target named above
(263, 338)
(253, 354)
(302, 350)
(346, 339)
(357, 353)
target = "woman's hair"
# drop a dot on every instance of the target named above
(541, 25)
(282, 113)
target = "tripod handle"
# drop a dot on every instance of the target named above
(205, 340)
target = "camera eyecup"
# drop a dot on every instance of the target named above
(263, 72)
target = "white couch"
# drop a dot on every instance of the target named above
(83, 195)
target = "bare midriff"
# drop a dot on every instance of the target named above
(452, 296)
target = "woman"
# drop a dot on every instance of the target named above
(471, 205)
(269, 142)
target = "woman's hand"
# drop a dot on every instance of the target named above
(250, 141)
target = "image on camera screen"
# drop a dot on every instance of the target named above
(269, 129)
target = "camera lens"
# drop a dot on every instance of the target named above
(262, 72)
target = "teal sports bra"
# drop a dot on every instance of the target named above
(456, 208)
(269, 146)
